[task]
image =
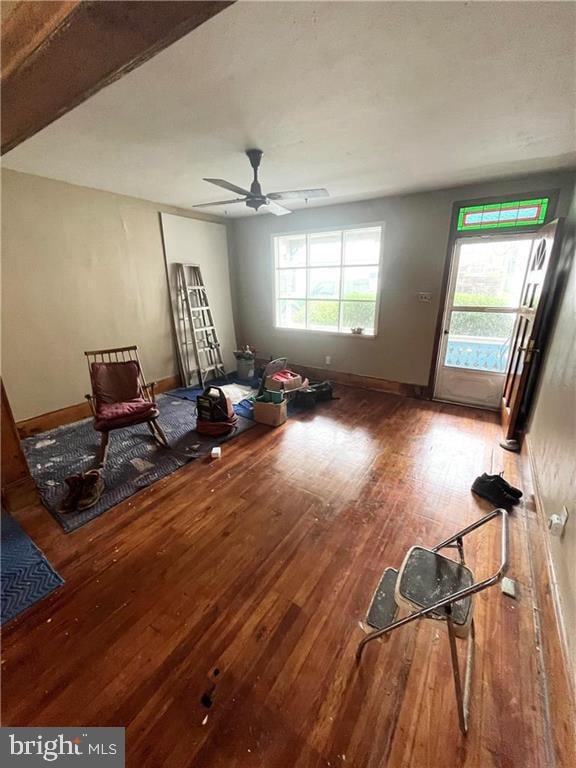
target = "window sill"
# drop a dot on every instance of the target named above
(315, 332)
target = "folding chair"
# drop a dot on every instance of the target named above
(120, 395)
(432, 586)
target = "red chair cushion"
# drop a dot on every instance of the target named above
(115, 415)
(115, 382)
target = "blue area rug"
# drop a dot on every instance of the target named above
(27, 576)
(134, 461)
(243, 408)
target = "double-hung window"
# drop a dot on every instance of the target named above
(328, 281)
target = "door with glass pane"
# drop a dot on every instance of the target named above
(535, 318)
(486, 279)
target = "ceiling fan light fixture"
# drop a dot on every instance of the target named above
(254, 197)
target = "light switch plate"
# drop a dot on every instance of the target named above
(425, 297)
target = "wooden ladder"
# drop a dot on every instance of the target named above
(199, 351)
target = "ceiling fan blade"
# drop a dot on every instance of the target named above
(220, 202)
(227, 185)
(277, 210)
(298, 194)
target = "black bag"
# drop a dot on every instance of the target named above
(213, 405)
(323, 391)
(306, 398)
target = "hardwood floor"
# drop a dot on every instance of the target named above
(216, 614)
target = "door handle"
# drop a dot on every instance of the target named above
(530, 350)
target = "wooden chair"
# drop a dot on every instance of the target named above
(120, 395)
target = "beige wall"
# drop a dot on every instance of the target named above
(552, 442)
(81, 269)
(84, 269)
(204, 243)
(416, 229)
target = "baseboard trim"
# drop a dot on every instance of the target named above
(46, 421)
(53, 419)
(359, 381)
(556, 603)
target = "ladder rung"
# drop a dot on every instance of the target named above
(191, 311)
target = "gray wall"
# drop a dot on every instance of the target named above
(416, 230)
(552, 442)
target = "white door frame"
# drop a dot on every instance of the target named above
(467, 386)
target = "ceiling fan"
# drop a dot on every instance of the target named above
(255, 198)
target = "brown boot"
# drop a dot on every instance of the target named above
(75, 484)
(92, 489)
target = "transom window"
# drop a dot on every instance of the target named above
(328, 281)
(505, 215)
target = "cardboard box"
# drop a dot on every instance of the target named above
(272, 414)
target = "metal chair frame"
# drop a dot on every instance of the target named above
(123, 355)
(462, 691)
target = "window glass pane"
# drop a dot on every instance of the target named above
(292, 251)
(324, 283)
(291, 313)
(362, 246)
(322, 286)
(519, 213)
(479, 340)
(291, 283)
(358, 314)
(323, 315)
(491, 274)
(360, 283)
(325, 248)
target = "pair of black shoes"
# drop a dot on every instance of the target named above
(496, 490)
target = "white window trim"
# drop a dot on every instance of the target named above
(306, 233)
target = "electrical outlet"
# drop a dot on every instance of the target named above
(425, 297)
(557, 522)
(328, 360)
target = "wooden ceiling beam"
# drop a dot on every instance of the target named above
(55, 55)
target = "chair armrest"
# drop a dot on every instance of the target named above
(149, 387)
(91, 403)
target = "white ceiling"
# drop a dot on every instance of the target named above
(365, 99)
